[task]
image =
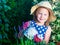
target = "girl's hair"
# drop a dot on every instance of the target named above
(48, 20)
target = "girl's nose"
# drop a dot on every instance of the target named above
(41, 16)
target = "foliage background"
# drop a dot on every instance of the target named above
(14, 12)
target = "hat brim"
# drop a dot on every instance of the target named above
(52, 18)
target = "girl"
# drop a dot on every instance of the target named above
(38, 29)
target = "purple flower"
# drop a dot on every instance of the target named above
(25, 25)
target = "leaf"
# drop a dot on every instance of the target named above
(51, 43)
(6, 20)
(6, 25)
(2, 27)
(0, 1)
(6, 8)
(53, 37)
(0, 7)
(0, 36)
(21, 39)
(0, 21)
(42, 43)
(9, 8)
(4, 1)
(5, 35)
(58, 37)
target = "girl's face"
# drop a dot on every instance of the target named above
(42, 15)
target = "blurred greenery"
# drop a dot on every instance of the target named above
(14, 12)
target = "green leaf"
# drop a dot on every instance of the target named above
(0, 1)
(22, 42)
(5, 8)
(6, 25)
(9, 8)
(51, 43)
(53, 37)
(42, 43)
(5, 35)
(6, 20)
(0, 7)
(0, 36)
(0, 21)
(2, 27)
(58, 37)
(4, 1)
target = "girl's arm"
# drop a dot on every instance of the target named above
(47, 34)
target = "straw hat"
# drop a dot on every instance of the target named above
(46, 5)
